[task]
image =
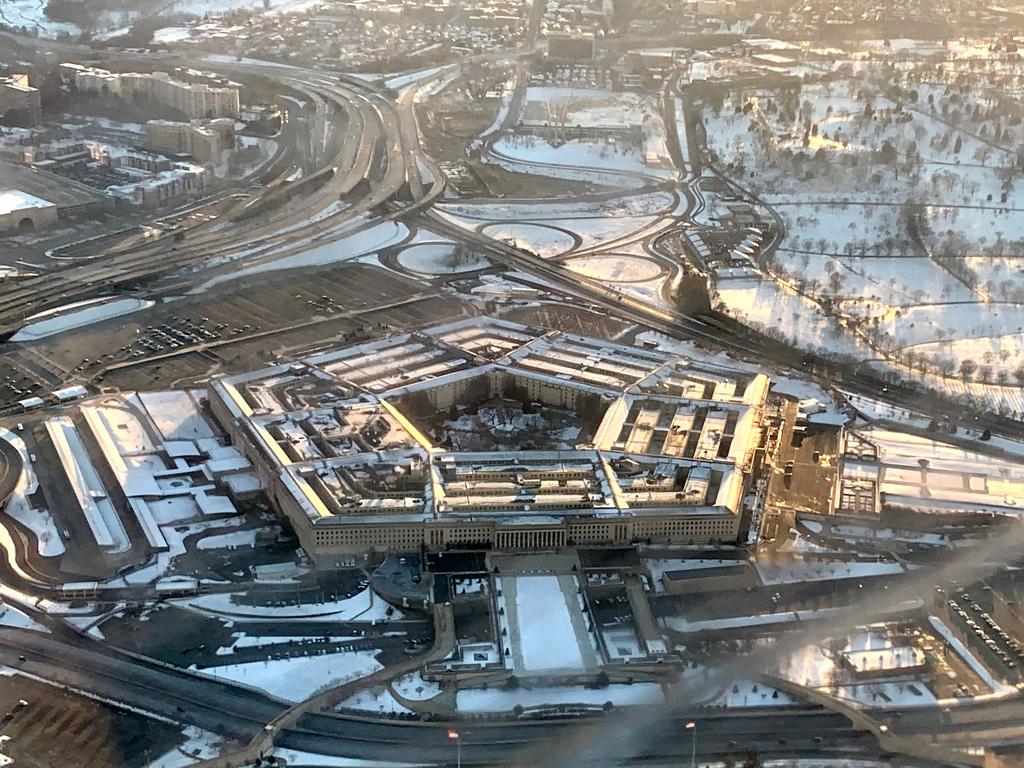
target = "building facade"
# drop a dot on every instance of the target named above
(200, 96)
(204, 140)
(19, 99)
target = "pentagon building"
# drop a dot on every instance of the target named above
(359, 446)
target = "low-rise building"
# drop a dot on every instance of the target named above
(22, 212)
(182, 180)
(204, 140)
(19, 101)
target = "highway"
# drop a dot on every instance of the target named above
(365, 145)
(241, 713)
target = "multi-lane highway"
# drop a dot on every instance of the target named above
(241, 713)
(363, 145)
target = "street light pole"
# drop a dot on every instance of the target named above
(692, 726)
(457, 738)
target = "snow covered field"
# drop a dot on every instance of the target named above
(31, 14)
(97, 311)
(541, 239)
(345, 242)
(39, 521)
(542, 632)
(439, 259)
(840, 164)
(12, 617)
(229, 540)
(362, 607)
(626, 147)
(298, 678)
(500, 700)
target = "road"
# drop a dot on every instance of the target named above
(241, 714)
(364, 144)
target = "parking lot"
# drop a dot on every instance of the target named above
(984, 636)
(57, 728)
(241, 325)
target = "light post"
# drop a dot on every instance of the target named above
(692, 726)
(457, 738)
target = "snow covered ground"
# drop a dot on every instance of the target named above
(231, 540)
(546, 638)
(198, 745)
(39, 521)
(541, 239)
(814, 667)
(377, 700)
(96, 312)
(12, 617)
(848, 246)
(298, 678)
(31, 14)
(362, 607)
(347, 242)
(501, 700)
(439, 259)
(415, 688)
(294, 758)
(616, 268)
(544, 624)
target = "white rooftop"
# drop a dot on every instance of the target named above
(15, 200)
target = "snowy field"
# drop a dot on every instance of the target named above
(362, 607)
(626, 205)
(97, 311)
(541, 239)
(231, 540)
(31, 14)
(608, 109)
(39, 521)
(439, 259)
(848, 170)
(298, 678)
(765, 304)
(12, 617)
(500, 700)
(542, 632)
(621, 158)
(601, 162)
(617, 269)
(345, 242)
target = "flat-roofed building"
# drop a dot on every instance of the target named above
(335, 440)
(195, 94)
(19, 100)
(22, 212)
(204, 140)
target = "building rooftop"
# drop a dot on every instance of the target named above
(12, 200)
(352, 433)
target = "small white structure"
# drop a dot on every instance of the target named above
(22, 212)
